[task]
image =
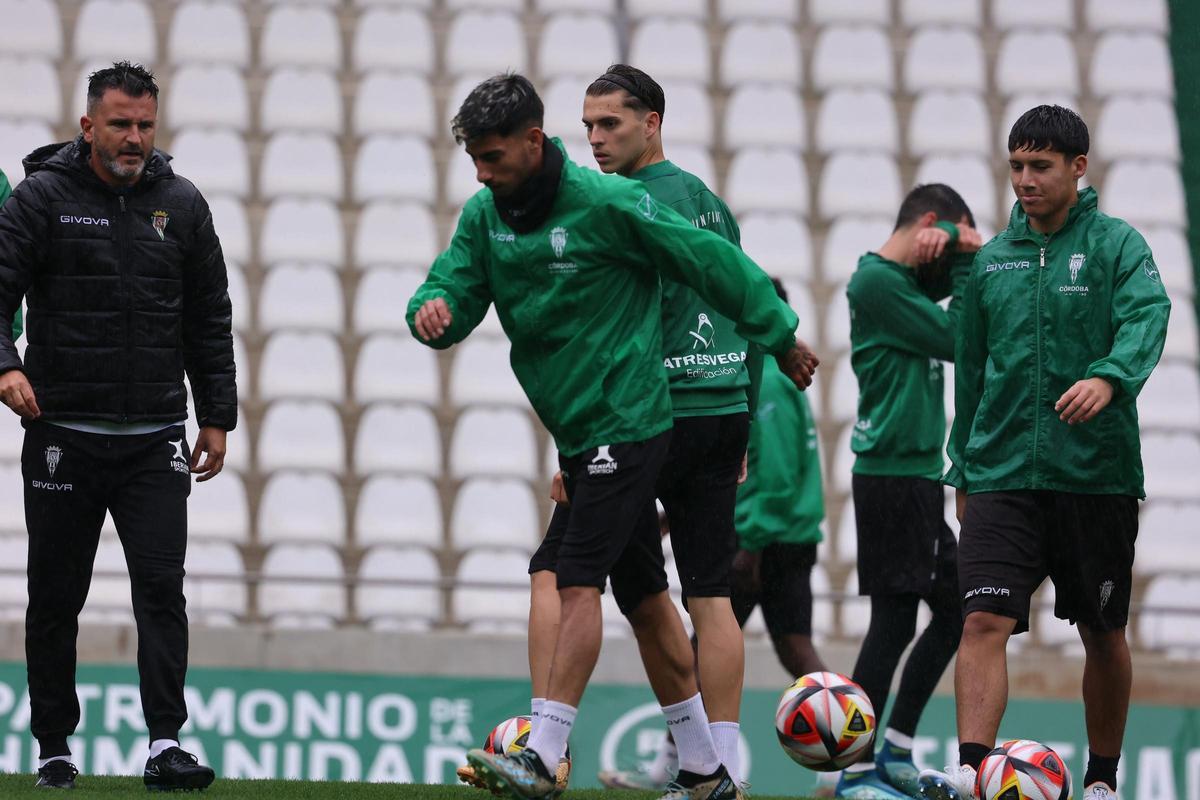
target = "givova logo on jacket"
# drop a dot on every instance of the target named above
(1075, 265)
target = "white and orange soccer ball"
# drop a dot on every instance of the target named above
(1023, 770)
(509, 737)
(825, 721)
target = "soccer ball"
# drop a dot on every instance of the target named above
(825, 721)
(509, 737)
(1023, 770)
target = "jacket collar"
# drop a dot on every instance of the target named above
(72, 158)
(1018, 221)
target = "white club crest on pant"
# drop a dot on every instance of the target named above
(53, 456)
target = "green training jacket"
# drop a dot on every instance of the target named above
(5, 191)
(705, 358)
(580, 300)
(1040, 313)
(899, 337)
(781, 500)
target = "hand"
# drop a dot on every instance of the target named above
(17, 394)
(960, 504)
(969, 239)
(210, 440)
(745, 473)
(1084, 400)
(929, 244)
(799, 364)
(432, 319)
(558, 490)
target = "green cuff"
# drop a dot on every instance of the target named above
(949, 228)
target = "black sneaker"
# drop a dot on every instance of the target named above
(175, 769)
(57, 774)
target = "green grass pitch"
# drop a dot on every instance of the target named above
(94, 786)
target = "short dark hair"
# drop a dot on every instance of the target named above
(1050, 128)
(779, 289)
(502, 104)
(132, 79)
(642, 92)
(939, 198)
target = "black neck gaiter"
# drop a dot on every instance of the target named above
(530, 205)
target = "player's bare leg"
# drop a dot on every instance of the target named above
(1107, 681)
(544, 614)
(666, 653)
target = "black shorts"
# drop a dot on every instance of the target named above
(604, 529)
(781, 583)
(904, 543)
(1011, 541)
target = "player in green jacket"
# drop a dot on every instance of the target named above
(572, 260)
(5, 191)
(906, 552)
(1064, 318)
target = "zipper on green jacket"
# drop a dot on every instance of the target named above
(1037, 338)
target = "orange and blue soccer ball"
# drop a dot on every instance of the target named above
(825, 721)
(1022, 769)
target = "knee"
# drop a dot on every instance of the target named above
(653, 613)
(1103, 644)
(576, 598)
(982, 629)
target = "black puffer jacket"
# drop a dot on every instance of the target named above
(125, 291)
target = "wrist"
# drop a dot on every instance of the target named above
(949, 228)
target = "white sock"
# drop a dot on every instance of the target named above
(549, 740)
(666, 762)
(44, 761)
(688, 724)
(725, 739)
(535, 711)
(159, 745)
(903, 741)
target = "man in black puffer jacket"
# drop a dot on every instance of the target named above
(126, 293)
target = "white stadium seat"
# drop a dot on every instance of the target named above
(32, 28)
(1033, 14)
(12, 498)
(779, 243)
(300, 35)
(398, 439)
(485, 42)
(495, 513)
(843, 398)
(461, 184)
(208, 96)
(480, 374)
(639, 9)
(215, 585)
(1036, 62)
(563, 99)
(484, 607)
(1171, 463)
(218, 509)
(782, 10)
(1176, 630)
(394, 39)
(800, 299)
(31, 90)
(489, 442)
(398, 510)
(1182, 334)
(830, 12)
(215, 160)
(17, 140)
(1137, 127)
(318, 601)
(857, 119)
(396, 367)
(379, 291)
(427, 5)
(949, 122)
(591, 6)
(971, 176)
(672, 49)
(945, 59)
(1144, 192)
(577, 44)
(916, 13)
(1126, 63)
(302, 230)
(12, 440)
(690, 117)
(848, 238)
(1173, 257)
(383, 604)
(837, 321)
(746, 125)
(760, 52)
(239, 296)
(859, 184)
(697, 160)
(1167, 536)
(108, 600)
(301, 434)
(767, 180)
(307, 296)
(853, 56)
(107, 30)
(847, 534)
(376, 109)
(209, 33)
(1151, 15)
(395, 234)
(307, 365)
(503, 5)
(233, 228)
(301, 165)
(302, 507)
(302, 99)
(395, 168)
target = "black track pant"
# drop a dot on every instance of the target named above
(71, 479)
